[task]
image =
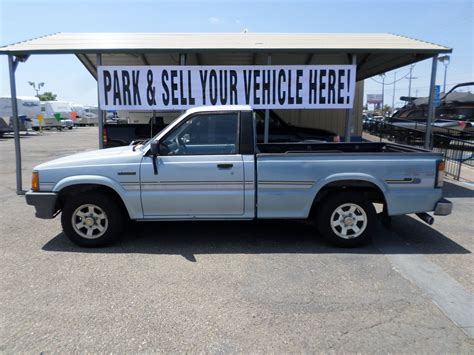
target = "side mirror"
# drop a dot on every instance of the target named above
(155, 148)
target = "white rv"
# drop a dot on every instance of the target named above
(145, 116)
(50, 108)
(89, 116)
(78, 109)
(28, 109)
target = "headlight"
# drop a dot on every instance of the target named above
(34, 181)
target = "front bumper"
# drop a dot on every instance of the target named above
(44, 202)
(443, 207)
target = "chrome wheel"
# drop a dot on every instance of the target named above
(348, 221)
(90, 221)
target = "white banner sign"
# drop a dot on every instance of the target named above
(263, 86)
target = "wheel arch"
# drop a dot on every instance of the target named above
(373, 189)
(71, 189)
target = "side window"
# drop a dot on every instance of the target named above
(205, 134)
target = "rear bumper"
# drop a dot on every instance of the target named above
(443, 207)
(44, 203)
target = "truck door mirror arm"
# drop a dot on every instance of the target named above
(155, 150)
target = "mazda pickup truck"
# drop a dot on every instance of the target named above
(207, 165)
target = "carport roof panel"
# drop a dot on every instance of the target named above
(221, 42)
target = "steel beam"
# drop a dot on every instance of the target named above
(348, 128)
(100, 113)
(12, 65)
(84, 59)
(431, 108)
(144, 59)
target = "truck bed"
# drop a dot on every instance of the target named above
(359, 147)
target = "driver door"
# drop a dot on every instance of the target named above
(200, 174)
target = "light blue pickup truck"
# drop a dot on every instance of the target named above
(206, 165)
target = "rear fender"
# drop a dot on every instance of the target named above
(345, 176)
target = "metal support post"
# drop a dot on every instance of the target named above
(100, 113)
(347, 133)
(12, 67)
(267, 112)
(431, 108)
(182, 59)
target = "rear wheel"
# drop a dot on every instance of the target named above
(92, 219)
(346, 219)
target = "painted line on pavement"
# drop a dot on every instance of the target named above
(449, 295)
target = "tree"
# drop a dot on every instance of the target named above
(47, 96)
(386, 109)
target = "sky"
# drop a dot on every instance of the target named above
(449, 23)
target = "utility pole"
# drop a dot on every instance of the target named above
(445, 60)
(383, 89)
(393, 97)
(410, 78)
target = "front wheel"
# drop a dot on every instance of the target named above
(346, 219)
(91, 219)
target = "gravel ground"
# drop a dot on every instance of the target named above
(224, 286)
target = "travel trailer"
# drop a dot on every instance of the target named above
(88, 117)
(63, 108)
(28, 109)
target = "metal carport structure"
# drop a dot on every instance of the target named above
(372, 53)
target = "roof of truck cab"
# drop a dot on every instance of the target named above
(220, 108)
(376, 52)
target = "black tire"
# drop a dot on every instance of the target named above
(327, 212)
(114, 216)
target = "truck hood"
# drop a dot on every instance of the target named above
(95, 157)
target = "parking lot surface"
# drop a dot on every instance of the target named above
(229, 286)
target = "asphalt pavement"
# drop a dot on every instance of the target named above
(272, 286)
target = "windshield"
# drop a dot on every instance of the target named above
(146, 143)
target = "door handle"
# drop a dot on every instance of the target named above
(225, 166)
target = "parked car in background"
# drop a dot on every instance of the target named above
(119, 133)
(371, 123)
(281, 131)
(67, 123)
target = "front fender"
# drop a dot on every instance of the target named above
(131, 199)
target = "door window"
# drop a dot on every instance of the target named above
(204, 134)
